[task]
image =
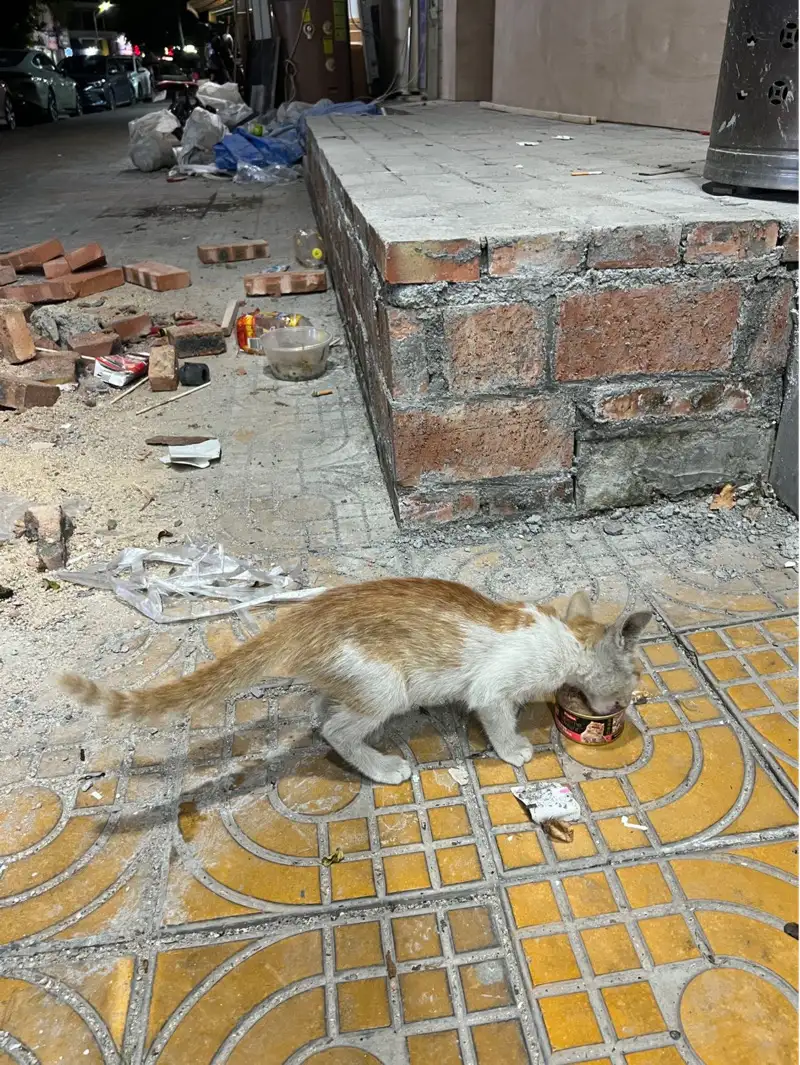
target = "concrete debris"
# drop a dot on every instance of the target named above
(50, 528)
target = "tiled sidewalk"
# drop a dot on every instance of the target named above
(176, 909)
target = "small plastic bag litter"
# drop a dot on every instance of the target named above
(548, 802)
(247, 173)
(201, 581)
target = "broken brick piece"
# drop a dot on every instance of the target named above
(16, 339)
(58, 368)
(45, 342)
(8, 275)
(59, 288)
(130, 326)
(163, 369)
(50, 527)
(20, 394)
(157, 276)
(83, 258)
(233, 253)
(95, 345)
(56, 267)
(196, 338)
(32, 257)
(90, 282)
(289, 283)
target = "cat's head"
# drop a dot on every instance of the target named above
(608, 671)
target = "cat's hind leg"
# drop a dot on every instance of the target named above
(347, 730)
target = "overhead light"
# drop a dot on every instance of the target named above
(103, 7)
(90, 51)
(190, 48)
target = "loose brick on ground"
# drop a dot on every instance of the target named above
(129, 327)
(53, 291)
(56, 267)
(49, 527)
(289, 283)
(90, 282)
(90, 255)
(8, 275)
(162, 372)
(95, 345)
(58, 368)
(233, 253)
(16, 340)
(161, 277)
(20, 394)
(34, 256)
(196, 338)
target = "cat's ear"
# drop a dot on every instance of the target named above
(579, 607)
(627, 630)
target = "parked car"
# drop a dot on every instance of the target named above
(36, 87)
(139, 76)
(102, 80)
(7, 115)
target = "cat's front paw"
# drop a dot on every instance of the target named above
(392, 770)
(517, 753)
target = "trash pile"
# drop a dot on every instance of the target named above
(222, 138)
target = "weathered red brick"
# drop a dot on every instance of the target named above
(789, 244)
(53, 291)
(551, 253)
(771, 344)
(288, 283)
(472, 441)
(163, 369)
(672, 400)
(196, 338)
(58, 368)
(16, 339)
(90, 282)
(90, 255)
(95, 345)
(419, 508)
(157, 276)
(56, 267)
(34, 256)
(20, 394)
(130, 326)
(50, 528)
(419, 262)
(233, 253)
(400, 351)
(713, 241)
(8, 275)
(495, 347)
(634, 247)
(680, 328)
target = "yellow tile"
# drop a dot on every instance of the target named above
(699, 708)
(434, 1048)
(749, 697)
(644, 885)
(518, 849)
(726, 668)
(668, 939)
(604, 794)
(352, 880)
(791, 650)
(350, 836)
(707, 643)
(610, 949)
(471, 929)
(405, 872)
(396, 830)
(744, 636)
(589, 895)
(271, 830)
(248, 711)
(281, 1032)
(447, 822)
(27, 816)
(778, 731)
(619, 837)
(678, 680)
(661, 654)
(425, 995)
(570, 1021)
(220, 638)
(416, 937)
(459, 865)
(363, 1004)
(657, 715)
(735, 935)
(781, 629)
(393, 794)
(661, 1056)
(766, 808)
(428, 745)
(533, 904)
(438, 784)
(77, 836)
(786, 690)
(582, 845)
(101, 793)
(318, 784)
(506, 809)
(646, 683)
(492, 771)
(543, 766)
(633, 1010)
(485, 985)
(550, 959)
(767, 662)
(358, 945)
(500, 1043)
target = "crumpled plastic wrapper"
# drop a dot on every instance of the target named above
(188, 582)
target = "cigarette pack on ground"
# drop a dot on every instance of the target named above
(120, 370)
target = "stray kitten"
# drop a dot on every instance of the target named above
(376, 649)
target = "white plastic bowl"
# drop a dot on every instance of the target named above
(297, 353)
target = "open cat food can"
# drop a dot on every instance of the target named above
(575, 720)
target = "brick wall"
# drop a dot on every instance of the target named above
(567, 372)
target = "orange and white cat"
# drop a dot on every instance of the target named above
(375, 650)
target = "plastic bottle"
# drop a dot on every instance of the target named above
(308, 248)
